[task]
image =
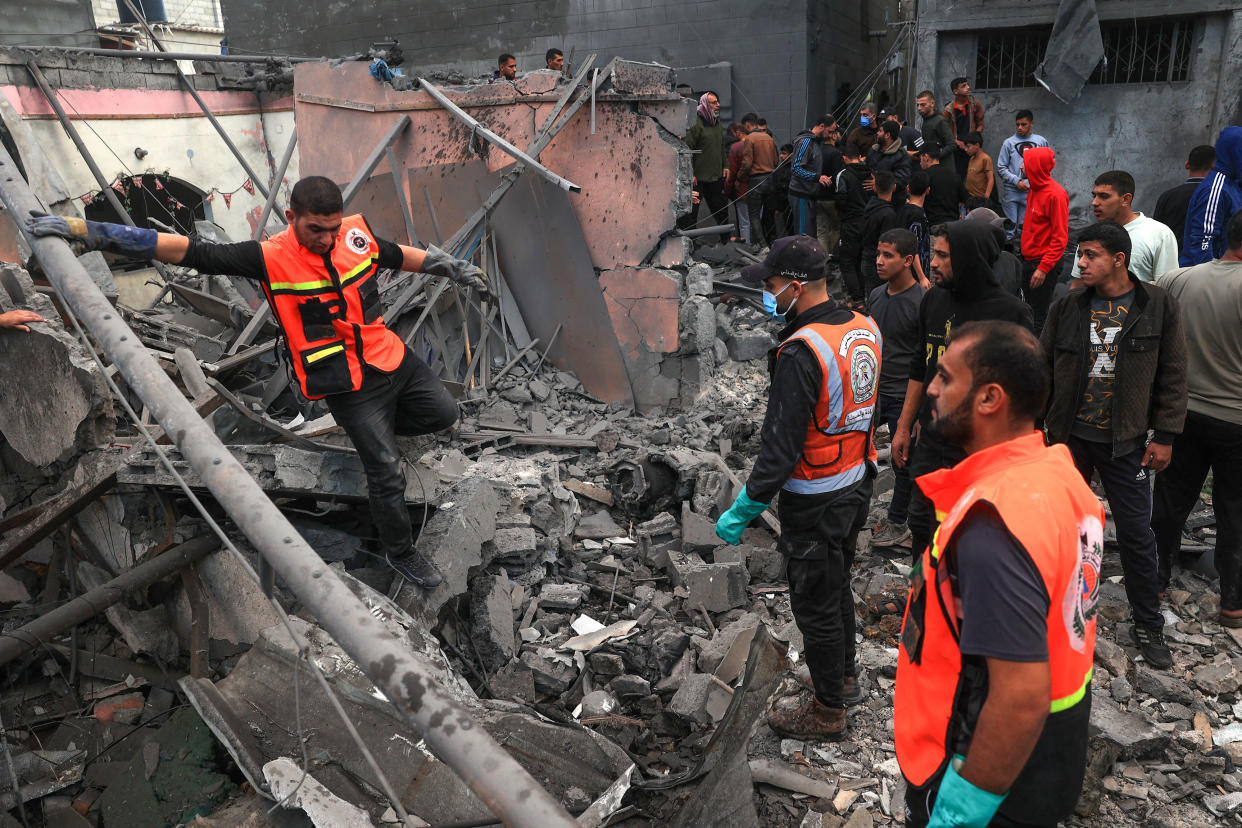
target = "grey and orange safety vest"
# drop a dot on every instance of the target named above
(329, 309)
(1044, 503)
(838, 439)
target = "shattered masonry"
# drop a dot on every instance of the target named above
(590, 622)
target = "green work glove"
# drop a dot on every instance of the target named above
(733, 522)
(458, 271)
(138, 242)
(960, 804)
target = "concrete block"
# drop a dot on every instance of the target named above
(605, 665)
(491, 619)
(519, 542)
(698, 534)
(453, 539)
(598, 526)
(747, 345)
(628, 686)
(718, 586)
(699, 699)
(551, 677)
(598, 703)
(699, 280)
(560, 597)
(714, 651)
(1132, 734)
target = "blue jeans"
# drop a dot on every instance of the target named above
(890, 411)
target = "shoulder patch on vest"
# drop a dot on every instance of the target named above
(864, 372)
(1082, 594)
(357, 241)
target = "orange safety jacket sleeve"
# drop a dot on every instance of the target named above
(246, 258)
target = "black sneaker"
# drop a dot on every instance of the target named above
(1151, 644)
(418, 570)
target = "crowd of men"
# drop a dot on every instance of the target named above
(1007, 382)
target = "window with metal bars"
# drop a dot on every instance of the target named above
(1135, 51)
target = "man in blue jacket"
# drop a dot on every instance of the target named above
(1214, 202)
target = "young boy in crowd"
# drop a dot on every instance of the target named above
(894, 305)
(911, 217)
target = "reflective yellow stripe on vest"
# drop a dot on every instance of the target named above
(360, 269)
(326, 352)
(1066, 702)
(302, 287)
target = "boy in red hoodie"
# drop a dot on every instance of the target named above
(1045, 233)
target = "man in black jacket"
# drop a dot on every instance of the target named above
(947, 194)
(807, 181)
(889, 154)
(851, 200)
(878, 216)
(963, 257)
(1118, 360)
(1174, 203)
(816, 450)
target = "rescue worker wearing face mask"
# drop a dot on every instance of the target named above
(817, 452)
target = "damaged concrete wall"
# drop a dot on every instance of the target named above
(1144, 128)
(54, 404)
(632, 170)
(121, 105)
(788, 59)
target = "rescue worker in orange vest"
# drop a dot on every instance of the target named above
(994, 667)
(320, 277)
(816, 451)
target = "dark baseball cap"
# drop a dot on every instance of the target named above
(794, 257)
(929, 146)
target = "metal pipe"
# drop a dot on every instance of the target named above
(156, 55)
(189, 87)
(276, 179)
(451, 733)
(372, 161)
(493, 138)
(89, 604)
(104, 185)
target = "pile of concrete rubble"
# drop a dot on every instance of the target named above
(589, 619)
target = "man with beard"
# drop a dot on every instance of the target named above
(963, 259)
(993, 691)
(816, 451)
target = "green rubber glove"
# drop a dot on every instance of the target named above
(960, 804)
(733, 522)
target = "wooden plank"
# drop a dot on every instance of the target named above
(589, 490)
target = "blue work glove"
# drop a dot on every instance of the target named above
(733, 522)
(461, 272)
(960, 804)
(138, 242)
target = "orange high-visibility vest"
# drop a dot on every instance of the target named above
(329, 309)
(838, 438)
(1044, 503)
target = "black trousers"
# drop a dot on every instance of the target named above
(712, 194)
(1205, 443)
(1128, 489)
(928, 455)
(819, 534)
(409, 401)
(1041, 297)
(762, 203)
(851, 259)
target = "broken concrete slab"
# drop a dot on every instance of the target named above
(716, 586)
(239, 612)
(597, 526)
(54, 403)
(643, 305)
(491, 619)
(746, 345)
(453, 540)
(145, 631)
(1133, 735)
(294, 788)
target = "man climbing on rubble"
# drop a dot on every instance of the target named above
(994, 668)
(319, 275)
(816, 450)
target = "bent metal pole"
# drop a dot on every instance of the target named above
(448, 728)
